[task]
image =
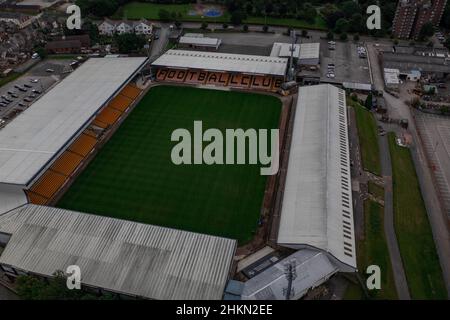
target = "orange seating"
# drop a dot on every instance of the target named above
(108, 116)
(120, 103)
(36, 199)
(83, 145)
(67, 163)
(100, 124)
(130, 91)
(48, 184)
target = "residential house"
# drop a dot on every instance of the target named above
(109, 27)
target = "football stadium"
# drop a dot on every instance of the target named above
(86, 179)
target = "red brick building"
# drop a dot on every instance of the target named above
(411, 15)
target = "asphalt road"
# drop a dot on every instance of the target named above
(391, 238)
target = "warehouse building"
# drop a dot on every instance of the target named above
(413, 62)
(391, 78)
(132, 260)
(305, 54)
(199, 42)
(317, 200)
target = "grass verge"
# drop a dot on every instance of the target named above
(417, 248)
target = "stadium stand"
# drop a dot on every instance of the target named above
(66, 163)
(219, 79)
(120, 103)
(108, 115)
(49, 184)
(131, 91)
(43, 191)
(36, 199)
(198, 77)
(221, 69)
(83, 145)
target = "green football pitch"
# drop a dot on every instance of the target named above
(133, 177)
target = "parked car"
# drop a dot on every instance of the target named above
(22, 89)
(27, 100)
(21, 104)
(11, 92)
(49, 70)
(27, 86)
(14, 96)
(36, 91)
(34, 80)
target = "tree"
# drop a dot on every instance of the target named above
(304, 33)
(129, 42)
(225, 26)
(178, 24)
(245, 27)
(41, 52)
(350, 7)
(341, 25)
(426, 31)
(447, 43)
(204, 26)
(265, 28)
(32, 288)
(368, 103)
(330, 35)
(445, 21)
(164, 15)
(99, 8)
(356, 37)
(343, 36)
(356, 23)
(237, 17)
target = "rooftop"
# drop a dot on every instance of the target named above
(301, 51)
(312, 269)
(317, 201)
(223, 62)
(117, 255)
(200, 41)
(37, 135)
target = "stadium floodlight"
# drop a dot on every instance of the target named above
(290, 271)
